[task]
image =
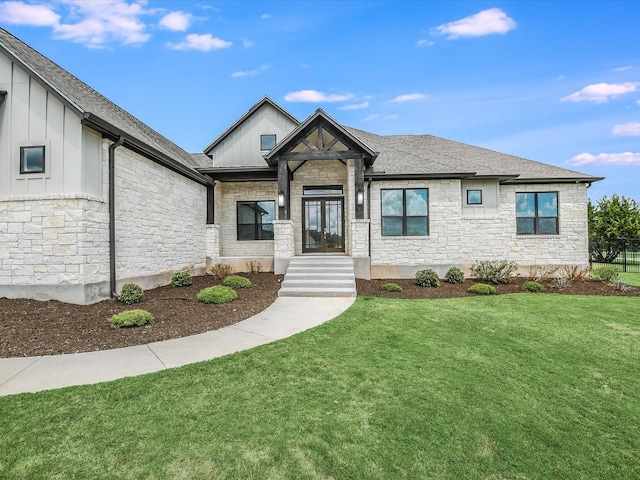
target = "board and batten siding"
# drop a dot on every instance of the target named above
(242, 146)
(30, 115)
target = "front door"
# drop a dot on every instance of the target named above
(323, 220)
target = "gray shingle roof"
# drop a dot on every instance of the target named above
(90, 104)
(429, 155)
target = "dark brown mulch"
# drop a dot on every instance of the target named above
(30, 327)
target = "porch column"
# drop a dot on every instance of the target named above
(359, 181)
(360, 248)
(283, 190)
(283, 245)
(213, 245)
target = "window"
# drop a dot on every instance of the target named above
(255, 220)
(32, 159)
(405, 212)
(267, 142)
(474, 197)
(323, 190)
(537, 213)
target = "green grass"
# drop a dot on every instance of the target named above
(632, 279)
(509, 386)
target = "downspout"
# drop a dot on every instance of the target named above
(112, 216)
(369, 214)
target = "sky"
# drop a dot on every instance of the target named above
(552, 81)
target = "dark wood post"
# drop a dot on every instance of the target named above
(359, 174)
(283, 189)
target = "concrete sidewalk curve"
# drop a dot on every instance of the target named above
(285, 317)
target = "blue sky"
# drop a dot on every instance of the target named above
(553, 81)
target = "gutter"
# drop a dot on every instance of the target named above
(112, 216)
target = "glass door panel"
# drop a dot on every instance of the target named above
(323, 225)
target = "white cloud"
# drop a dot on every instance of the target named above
(314, 96)
(248, 43)
(355, 106)
(410, 97)
(626, 158)
(486, 22)
(423, 42)
(622, 69)
(20, 13)
(205, 43)
(631, 129)
(176, 21)
(601, 92)
(378, 116)
(251, 73)
(265, 16)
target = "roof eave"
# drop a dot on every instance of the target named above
(241, 174)
(552, 180)
(414, 176)
(110, 131)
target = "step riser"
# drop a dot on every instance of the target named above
(319, 277)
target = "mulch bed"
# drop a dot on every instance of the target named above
(32, 328)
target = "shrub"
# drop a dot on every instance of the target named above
(532, 286)
(621, 286)
(574, 273)
(131, 293)
(606, 273)
(253, 266)
(392, 287)
(561, 282)
(542, 273)
(217, 294)
(222, 270)
(427, 278)
(181, 279)
(131, 318)
(482, 289)
(454, 275)
(236, 281)
(497, 271)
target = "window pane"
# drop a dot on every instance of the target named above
(246, 232)
(548, 204)
(32, 159)
(267, 142)
(525, 226)
(474, 197)
(525, 204)
(267, 211)
(392, 226)
(416, 226)
(265, 232)
(246, 212)
(548, 226)
(323, 190)
(392, 202)
(417, 202)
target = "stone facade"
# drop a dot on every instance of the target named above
(457, 240)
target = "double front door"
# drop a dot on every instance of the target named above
(323, 220)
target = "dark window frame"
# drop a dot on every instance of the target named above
(264, 138)
(404, 215)
(23, 170)
(537, 217)
(255, 223)
(477, 191)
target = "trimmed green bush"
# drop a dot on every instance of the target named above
(131, 318)
(392, 287)
(236, 281)
(218, 294)
(427, 278)
(181, 279)
(532, 286)
(497, 271)
(454, 275)
(131, 293)
(606, 273)
(482, 289)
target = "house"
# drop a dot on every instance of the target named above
(92, 198)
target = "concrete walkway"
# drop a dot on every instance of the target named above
(285, 317)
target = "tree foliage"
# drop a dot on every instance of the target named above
(612, 221)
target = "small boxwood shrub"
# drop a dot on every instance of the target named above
(427, 278)
(606, 273)
(532, 286)
(236, 281)
(392, 287)
(218, 294)
(222, 270)
(131, 318)
(181, 279)
(482, 289)
(497, 271)
(131, 293)
(454, 275)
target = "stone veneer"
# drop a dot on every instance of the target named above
(457, 240)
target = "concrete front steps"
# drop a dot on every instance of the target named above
(319, 276)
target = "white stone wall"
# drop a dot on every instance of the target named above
(227, 196)
(457, 240)
(160, 220)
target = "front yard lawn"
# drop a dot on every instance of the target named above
(511, 386)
